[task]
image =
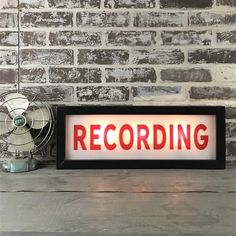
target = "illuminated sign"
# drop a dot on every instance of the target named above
(141, 137)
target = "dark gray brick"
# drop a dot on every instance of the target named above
(153, 92)
(32, 3)
(231, 3)
(47, 19)
(227, 37)
(103, 19)
(160, 19)
(213, 93)
(213, 55)
(47, 56)
(231, 148)
(186, 37)
(230, 112)
(8, 38)
(8, 57)
(130, 75)
(209, 18)
(131, 38)
(33, 75)
(53, 93)
(8, 20)
(103, 56)
(103, 93)
(130, 3)
(230, 129)
(74, 3)
(158, 56)
(8, 76)
(76, 38)
(186, 75)
(29, 38)
(75, 75)
(186, 3)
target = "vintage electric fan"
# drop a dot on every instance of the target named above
(26, 125)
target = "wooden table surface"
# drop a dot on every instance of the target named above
(49, 202)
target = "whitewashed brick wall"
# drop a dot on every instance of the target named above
(149, 52)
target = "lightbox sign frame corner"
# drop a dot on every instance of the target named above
(217, 163)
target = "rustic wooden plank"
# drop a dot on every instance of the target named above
(119, 213)
(172, 181)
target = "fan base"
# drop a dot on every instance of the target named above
(20, 165)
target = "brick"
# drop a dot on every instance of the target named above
(8, 4)
(231, 3)
(131, 38)
(231, 148)
(154, 92)
(102, 93)
(76, 38)
(208, 18)
(213, 93)
(230, 129)
(47, 56)
(8, 76)
(226, 73)
(186, 3)
(74, 3)
(103, 19)
(53, 93)
(130, 75)
(230, 112)
(33, 75)
(130, 3)
(29, 38)
(8, 57)
(186, 37)
(227, 37)
(8, 20)
(75, 75)
(8, 38)
(32, 3)
(47, 19)
(103, 56)
(186, 75)
(213, 55)
(160, 19)
(158, 56)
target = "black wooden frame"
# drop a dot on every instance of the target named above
(217, 163)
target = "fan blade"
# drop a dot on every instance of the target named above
(21, 140)
(5, 123)
(37, 119)
(16, 103)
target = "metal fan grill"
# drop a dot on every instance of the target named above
(26, 125)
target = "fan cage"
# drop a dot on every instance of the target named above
(47, 131)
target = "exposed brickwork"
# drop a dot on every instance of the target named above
(158, 52)
(230, 129)
(76, 38)
(47, 56)
(74, 3)
(131, 38)
(159, 56)
(186, 37)
(186, 75)
(213, 93)
(130, 3)
(74, 75)
(130, 75)
(160, 19)
(103, 93)
(186, 3)
(103, 19)
(103, 57)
